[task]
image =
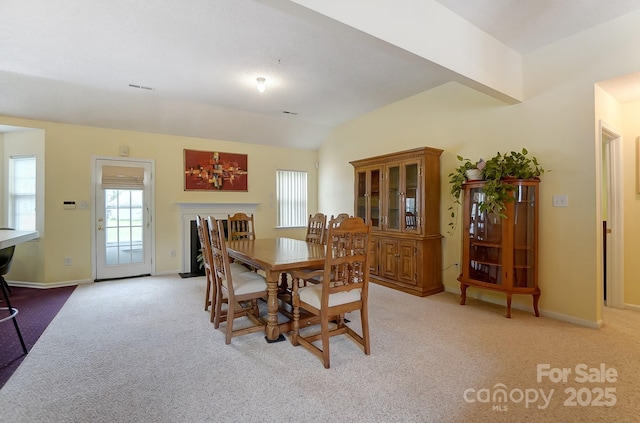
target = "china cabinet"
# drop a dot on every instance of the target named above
(501, 253)
(399, 194)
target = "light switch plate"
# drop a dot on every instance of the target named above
(561, 200)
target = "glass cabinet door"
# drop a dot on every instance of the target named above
(368, 195)
(485, 242)
(361, 195)
(410, 206)
(393, 198)
(524, 240)
(375, 197)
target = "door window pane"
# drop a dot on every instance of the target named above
(124, 227)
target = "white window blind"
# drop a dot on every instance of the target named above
(291, 193)
(22, 193)
(122, 177)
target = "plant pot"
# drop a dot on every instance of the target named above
(473, 174)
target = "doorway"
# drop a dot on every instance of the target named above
(123, 230)
(612, 217)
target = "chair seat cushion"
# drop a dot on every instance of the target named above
(312, 295)
(238, 268)
(247, 283)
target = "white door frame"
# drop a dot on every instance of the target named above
(152, 225)
(610, 142)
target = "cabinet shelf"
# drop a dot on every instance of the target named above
(501, 255)
(485, 244)
(486, 263)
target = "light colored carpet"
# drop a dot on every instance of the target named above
(143, 350)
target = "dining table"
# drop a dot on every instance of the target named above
(276, 257)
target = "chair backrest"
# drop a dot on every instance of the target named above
(202, 224)
(240, 226)
(316, 228)
(339, 218)
(333, 221)
(6, 255)
(347, 262)
(219, 256)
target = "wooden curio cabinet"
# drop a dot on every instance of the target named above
(400, 195)
(501, 254)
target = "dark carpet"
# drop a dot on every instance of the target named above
(36, 309)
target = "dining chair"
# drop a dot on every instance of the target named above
(334, 221)
(207, 252)
(204, 236)
(240, 226)
(315, 275)
(6, 256)
(242, 289)
(316, 228)
(344, 289)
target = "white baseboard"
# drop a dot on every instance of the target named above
(635, 307)
(40, 285)
(477, 294)
(167, 272)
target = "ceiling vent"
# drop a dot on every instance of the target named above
(140, 87)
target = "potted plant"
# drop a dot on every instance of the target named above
(497, 172)
(467, 170)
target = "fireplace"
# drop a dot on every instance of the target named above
(188, 213)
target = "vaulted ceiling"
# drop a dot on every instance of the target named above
(190, 67)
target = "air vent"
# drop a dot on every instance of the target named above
(140, 87)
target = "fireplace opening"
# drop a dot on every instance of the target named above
(194, 250)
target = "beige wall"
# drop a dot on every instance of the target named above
(18, 143)
(462, 121)
(631, 132)
(69, 153)
(555, 123)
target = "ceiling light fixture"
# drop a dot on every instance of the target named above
(262, 84)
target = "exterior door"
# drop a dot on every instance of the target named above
(123, 215)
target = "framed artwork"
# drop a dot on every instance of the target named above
(215, 171)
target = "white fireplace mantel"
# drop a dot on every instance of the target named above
(189, 211)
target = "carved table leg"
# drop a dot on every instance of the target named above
(272, 330)
(295, 301)
(284, 285)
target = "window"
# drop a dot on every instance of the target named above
(291, 195)
(22, 193)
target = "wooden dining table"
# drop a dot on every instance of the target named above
(276, 257)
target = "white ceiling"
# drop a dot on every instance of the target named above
(73, 61)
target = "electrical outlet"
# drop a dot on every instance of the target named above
(67, 261)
